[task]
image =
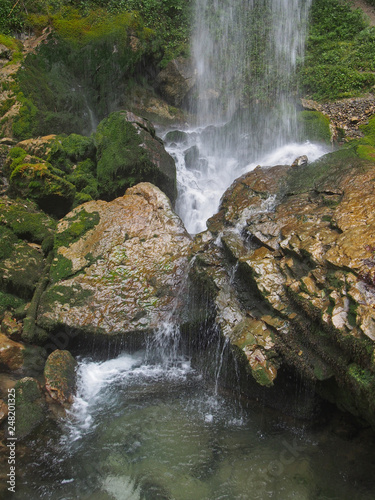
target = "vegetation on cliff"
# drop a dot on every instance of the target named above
(339, 58)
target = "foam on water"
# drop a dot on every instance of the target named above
(202, 184)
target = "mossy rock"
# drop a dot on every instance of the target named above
(10, 302)
(68, 151)
(315, 126)
(325, 173)
(177, 136)
(59, 374)
(25, 220)
(127, 154)
(30, 406)
(51, 193)
(76, 225)
(20, 267)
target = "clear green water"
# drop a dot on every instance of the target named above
(143, 431)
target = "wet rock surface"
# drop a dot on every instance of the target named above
(118, 266)
(290, 264)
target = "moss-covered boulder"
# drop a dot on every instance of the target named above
(292, 281)
(39, 146)
(21, 265)
(117, 266)
(36, 181)
(30, 406)
(59, 374)
(128, 152)
(24, 219)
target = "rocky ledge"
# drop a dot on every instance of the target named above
(289, 262)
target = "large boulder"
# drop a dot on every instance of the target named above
(118, 265)
(176, 80)
(128, 152)
(293, 278)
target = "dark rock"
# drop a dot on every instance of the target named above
(176, 80)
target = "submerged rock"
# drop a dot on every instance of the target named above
(118, 265)
(30, 406)
(290, 264)
(59, 374)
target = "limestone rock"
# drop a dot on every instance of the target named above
(59, 374)
(118, 265)
(39, 146)
(289, 262)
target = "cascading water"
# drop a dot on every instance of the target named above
(246, 53)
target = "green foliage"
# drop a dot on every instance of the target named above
(339, 59)
(11, 18)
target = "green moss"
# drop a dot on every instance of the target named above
(262, 377)
(127, 156)
(78, 224)
(363, 378)
(324, 173)
(315, 126)
(61, 268)
(7, 241)
(30, 408)
(68, 151)
(9, 302)
(73, 295)
(366, 152)
(26, 221)
(52, 193)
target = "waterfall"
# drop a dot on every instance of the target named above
(246, 54)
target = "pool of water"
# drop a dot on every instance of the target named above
(142, 430)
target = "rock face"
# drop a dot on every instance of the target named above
(290, 264)
(117, 265)
(176, 80)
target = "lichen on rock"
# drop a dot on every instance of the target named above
(121, 274)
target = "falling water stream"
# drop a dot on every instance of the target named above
(149, 425)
